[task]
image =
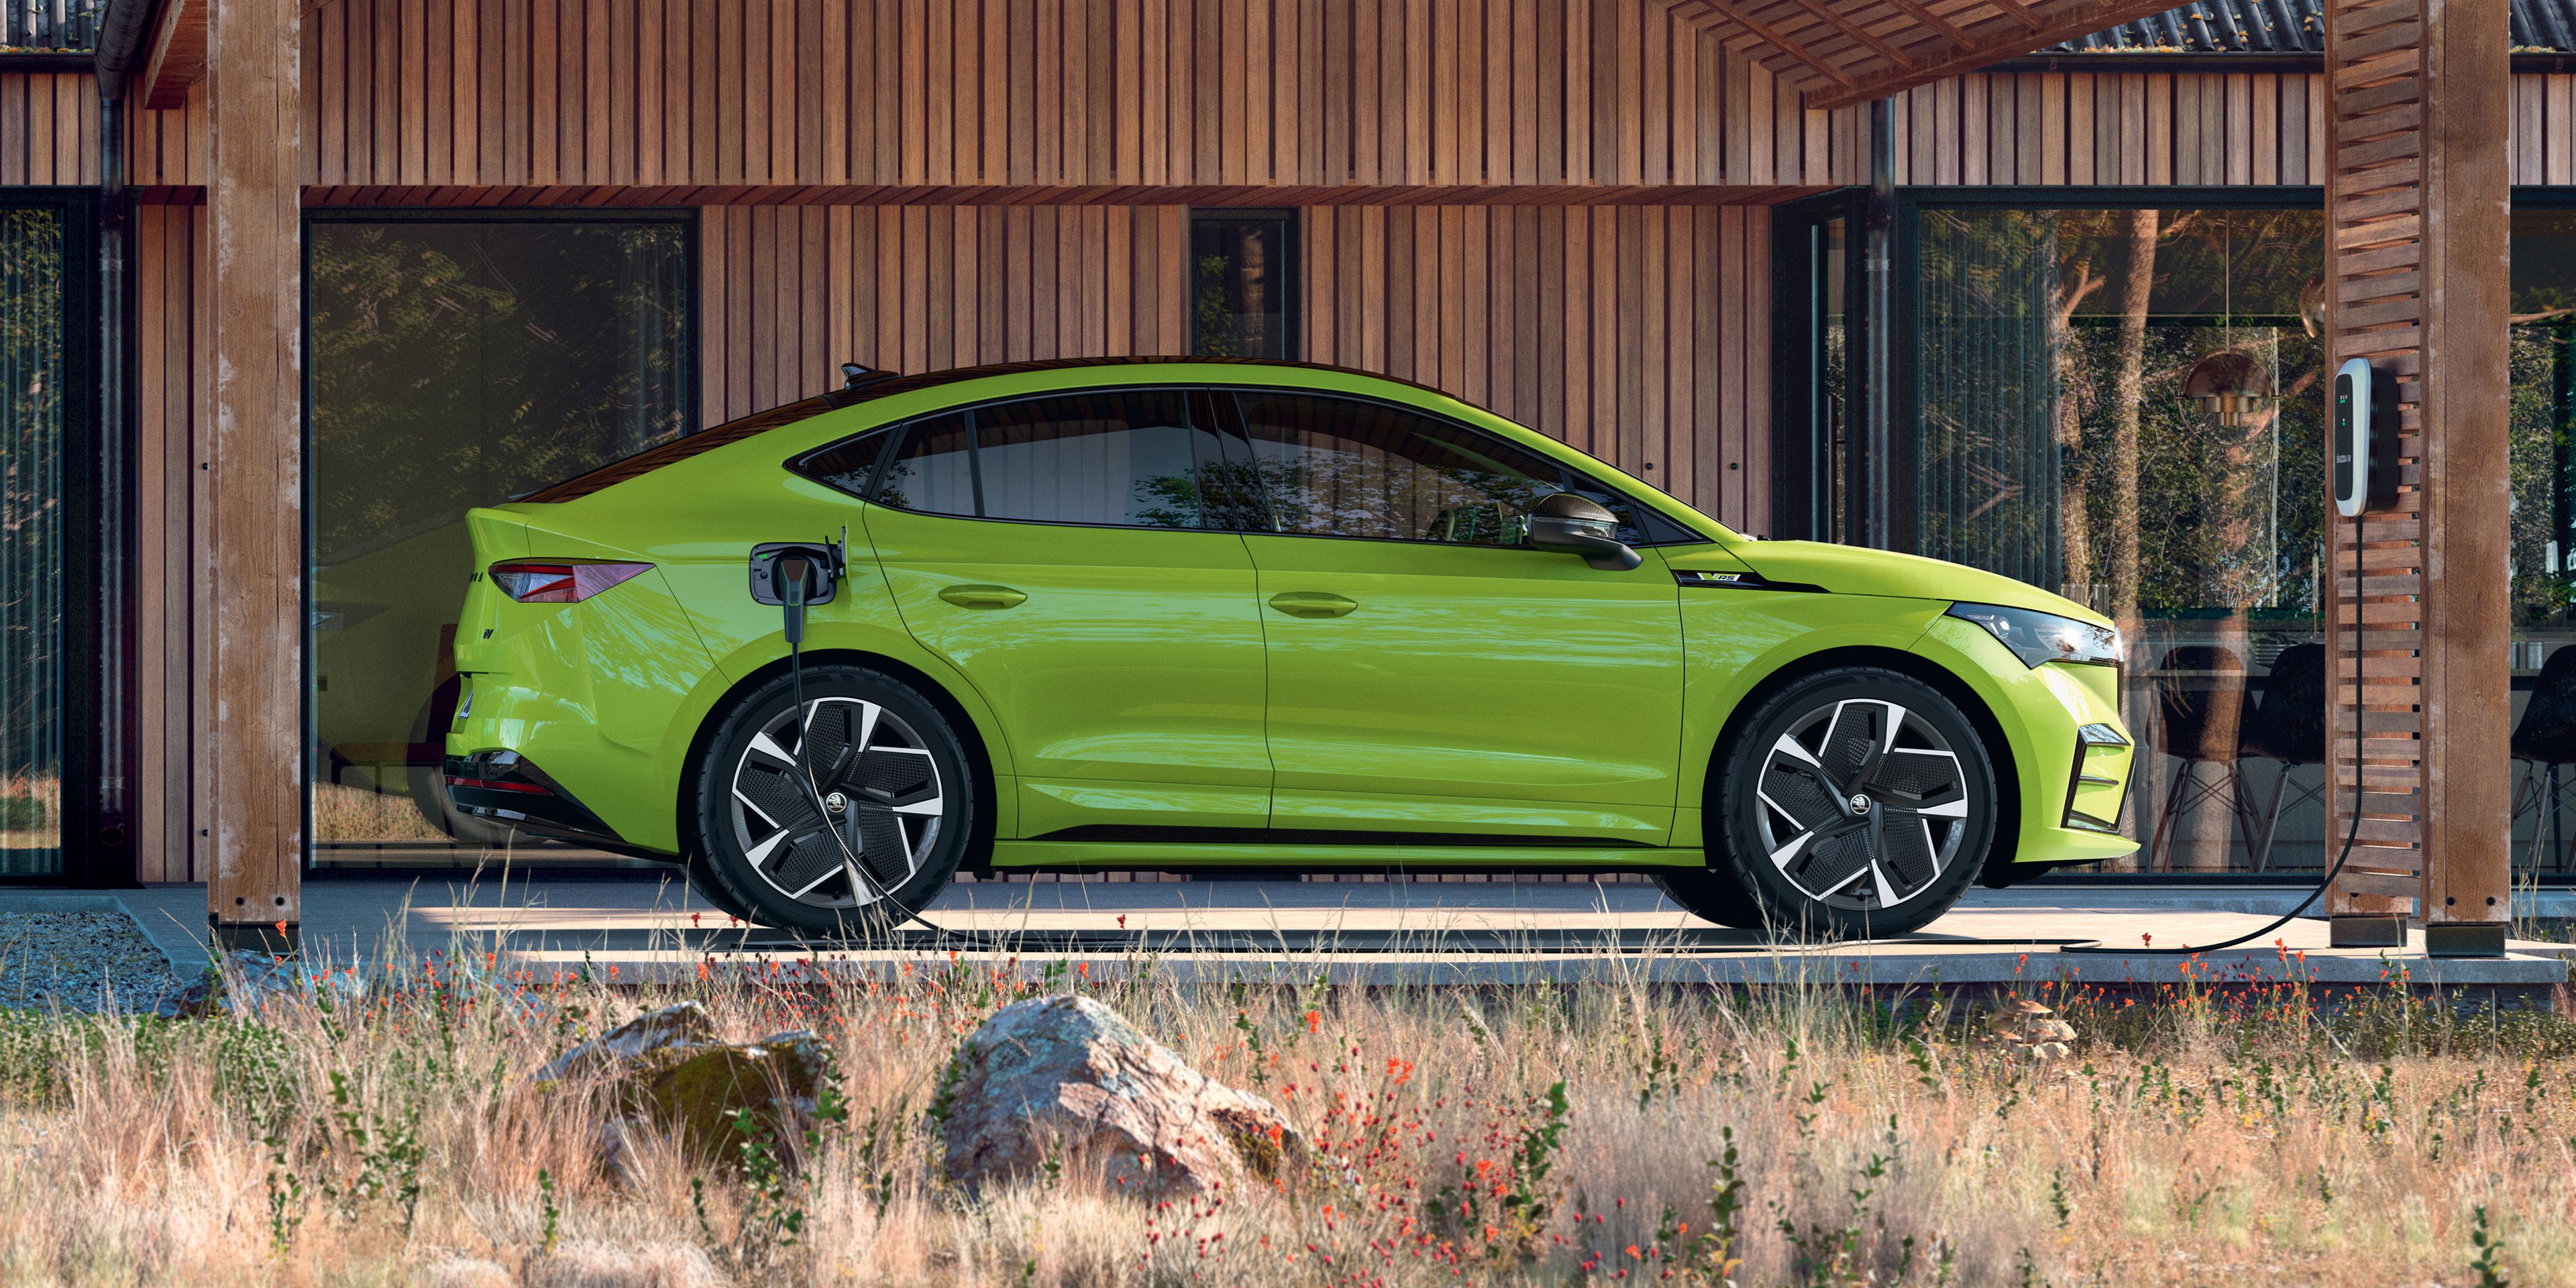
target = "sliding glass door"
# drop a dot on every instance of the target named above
(456, 362)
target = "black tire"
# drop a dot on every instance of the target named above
(703, 884)
(889, 769)
(1855, 803)
(1711, 895)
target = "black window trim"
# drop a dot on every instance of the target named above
(1230, 424)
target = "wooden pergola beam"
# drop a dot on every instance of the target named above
(2020, 12)
(178, 58)
(1840, 69)
(1949, 30)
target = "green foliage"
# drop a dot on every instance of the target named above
(2489, 1262)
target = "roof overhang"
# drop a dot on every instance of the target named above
(1841, 52)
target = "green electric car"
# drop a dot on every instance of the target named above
(1167, 614)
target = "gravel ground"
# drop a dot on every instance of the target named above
(78, 960)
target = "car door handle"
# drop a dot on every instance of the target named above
(983, 596)
(1312, 603)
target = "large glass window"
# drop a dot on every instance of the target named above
(33, 389)
(2126, 405)
(455, 363)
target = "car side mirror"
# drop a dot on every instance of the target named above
(1569, 524)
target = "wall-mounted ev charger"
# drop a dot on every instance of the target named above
(2365, 439)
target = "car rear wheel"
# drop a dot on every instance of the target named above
(1858, 803)
(842, 818)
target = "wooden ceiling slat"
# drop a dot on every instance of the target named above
(1898, 60)
(1837, 55)
(2020, 13)
(1949, 30)
(1794, 48)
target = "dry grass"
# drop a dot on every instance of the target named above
(356, 814)
(2188, 1141)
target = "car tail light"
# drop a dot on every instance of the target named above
(560, 581)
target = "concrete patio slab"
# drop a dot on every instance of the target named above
(1394, 932)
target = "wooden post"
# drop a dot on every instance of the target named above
(254, 557)
(2416, 213)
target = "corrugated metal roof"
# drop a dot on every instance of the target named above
(2290, 27)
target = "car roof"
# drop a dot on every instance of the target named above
(886, 386)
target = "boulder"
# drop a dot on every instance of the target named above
(668, 1070)
(2031, 1031)
(1068, 1078)
(686, 1024)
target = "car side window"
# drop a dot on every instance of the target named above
(934, 471)
(849, 466)
(1347, 467)
(1125, 458)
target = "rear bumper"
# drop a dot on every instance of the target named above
(507, 788)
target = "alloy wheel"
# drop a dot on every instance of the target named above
(1863, 804)
(850, 822)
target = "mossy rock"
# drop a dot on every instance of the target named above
(697, 1092)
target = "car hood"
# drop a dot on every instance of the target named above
(1854, 570)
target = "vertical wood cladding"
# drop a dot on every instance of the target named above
(169, 500)
(1638, 333)
(1044, 93)
(48, 128)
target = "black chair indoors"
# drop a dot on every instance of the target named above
(2201, 716)
(2288, 727)
(2545, 743)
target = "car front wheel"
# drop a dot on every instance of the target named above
(842, 818)
(1859, 802)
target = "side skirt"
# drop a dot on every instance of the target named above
(1125, 856)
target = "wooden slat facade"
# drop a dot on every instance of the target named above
(504, 94)
(48, 129)
(2130, 129)
(170, 495)
(1640, 334)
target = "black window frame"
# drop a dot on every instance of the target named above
(1805, 491)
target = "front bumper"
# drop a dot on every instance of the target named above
(2071, 753)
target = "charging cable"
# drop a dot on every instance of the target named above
(2351, 834)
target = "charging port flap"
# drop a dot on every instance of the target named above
(764, 568)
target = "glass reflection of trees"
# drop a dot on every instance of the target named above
(455, 364)
(31, 539)
(2056, 442)
(1343, 467)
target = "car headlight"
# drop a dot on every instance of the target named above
(2039, 638)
